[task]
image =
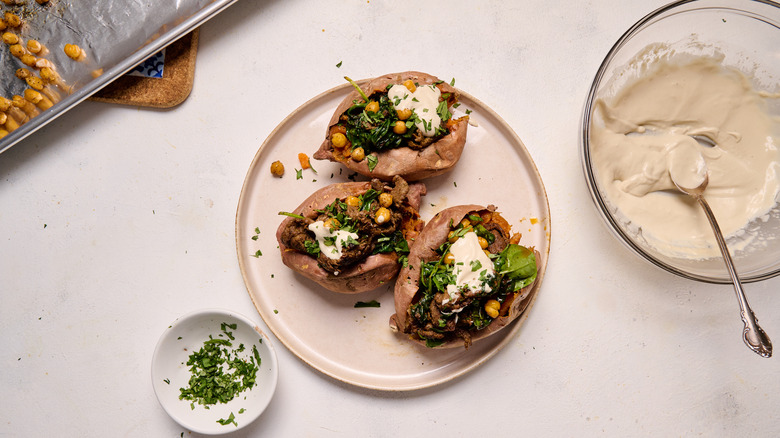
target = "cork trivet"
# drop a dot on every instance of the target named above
(166, 92)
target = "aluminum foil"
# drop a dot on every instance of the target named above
(114, 34)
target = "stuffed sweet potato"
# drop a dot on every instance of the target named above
(352, 237)
(397, 124)
(466, 278)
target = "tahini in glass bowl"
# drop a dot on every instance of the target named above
(747, 34)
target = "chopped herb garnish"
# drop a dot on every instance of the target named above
(168, 381)
(293, 215)
(298, 173)
(362, 93)
(242, 410)
(257, 254)
(229, 420)
(255, 237)
(372, 303)
(372, 161)
(452, 82)
(218, 373)
(337, 66)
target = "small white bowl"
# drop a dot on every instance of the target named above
(170, 371)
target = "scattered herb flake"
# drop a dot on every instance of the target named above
(276, 311)
(372, 162)
(372, 303)
(168, 381)
(241, 411)
(257, 254)
(298, 173)
(255, 237)
(455, 183)
(338, 65)
(230, 419)
(452, 82)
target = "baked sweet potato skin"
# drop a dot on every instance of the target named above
(374, 271)
(423, 250)
(410, 164)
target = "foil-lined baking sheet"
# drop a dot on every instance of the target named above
(115, 35)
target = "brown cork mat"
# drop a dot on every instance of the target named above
(166, 92)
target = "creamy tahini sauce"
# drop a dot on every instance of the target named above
(321, 232)
(470, 264)
(422, 102)
(647, 132)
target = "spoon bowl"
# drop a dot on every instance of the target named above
(753, 335)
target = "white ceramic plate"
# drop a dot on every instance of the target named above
(324, 329)
(170, 371)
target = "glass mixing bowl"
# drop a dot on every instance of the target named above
(747, 34)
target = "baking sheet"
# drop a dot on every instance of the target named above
(116, 35)
(323, 328)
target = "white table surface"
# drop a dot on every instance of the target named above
(116, 220)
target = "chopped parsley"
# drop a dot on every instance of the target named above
(298, 173)
(372, 303)
(338, 65)
(229, 420)
(218, 373)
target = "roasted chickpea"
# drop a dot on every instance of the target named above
(74, 52)
(17, 50)
(34, 46)
(492, 307)
(487, 253)
(449, 258)
(28, 59)
(23, 73)
(483, 243)
(353, 201)
(404, 114)
(465, 222)
(3, 133)
(34, 82)
(338, 140)
(373, 106)
(358, 154)
(277, 168)
(49, 75)
(331, 223)
(399, 127)
(409, 84)
(12, 20)
(452, 237)
(10, 38)
(3, 118)
(385, 199)
(382, 215)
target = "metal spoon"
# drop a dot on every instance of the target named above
(753, 334)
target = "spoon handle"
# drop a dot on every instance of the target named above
(753, 335)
